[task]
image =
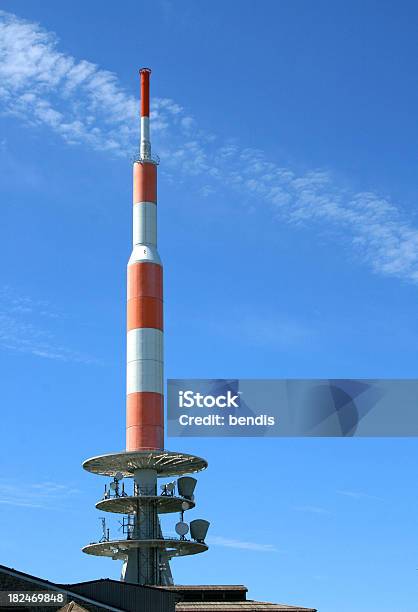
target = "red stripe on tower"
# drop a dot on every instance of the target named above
(145, 74)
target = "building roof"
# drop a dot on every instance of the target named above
(207, 587)
(94, 595)
(128, 596)
(14, 580)
(209, 592)
(115, 596)
(225, 598)
(72, 607)
(237, 606)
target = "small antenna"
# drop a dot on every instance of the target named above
(170, 487)
(114, 486)
(127, 525)
(145, 142)
(105, 536)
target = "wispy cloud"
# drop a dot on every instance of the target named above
(19, 333)
(87, 105)
(359, 495)
(230, 543)
(76, 99)
(45, 495)
(20, 304)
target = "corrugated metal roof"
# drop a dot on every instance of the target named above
(13, 580)
(206, 587)
(237, 606)
(129, 597)
(224, 598)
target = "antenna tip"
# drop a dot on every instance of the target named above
(148, 70)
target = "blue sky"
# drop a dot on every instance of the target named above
(288, 228)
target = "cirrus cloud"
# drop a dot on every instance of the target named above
(86, 105)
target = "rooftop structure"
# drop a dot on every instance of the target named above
(116, 596)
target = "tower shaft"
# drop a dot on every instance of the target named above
(145, 552)
(145, 400)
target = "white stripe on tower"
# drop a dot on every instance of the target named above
(145, 400)
(145, 224)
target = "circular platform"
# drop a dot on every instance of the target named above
(129, 505)
(166, 463)
(118, 549)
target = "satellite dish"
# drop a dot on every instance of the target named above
(170, 486)
(182, 528)
(185, 506)
(118, 476)
(113, 486)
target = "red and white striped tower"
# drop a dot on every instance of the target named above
(145, 400)
(145, 552)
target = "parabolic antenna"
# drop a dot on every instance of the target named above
(185, 506)
(182, 528)
(113, 486)
(170, 486)
(118, 476)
